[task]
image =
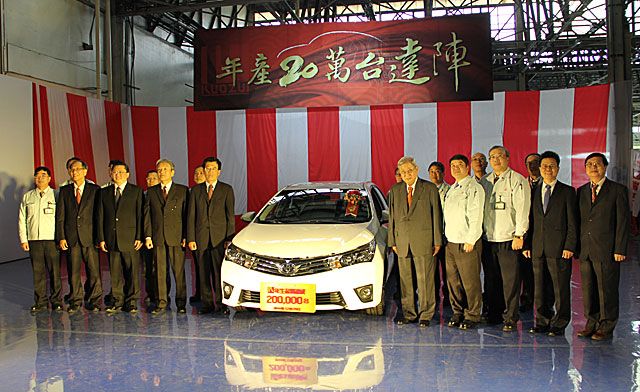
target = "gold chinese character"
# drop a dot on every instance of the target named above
(232, 68)
(409, 64)
(336, 65)
(368, 62)
(293, 66)
(261, 71)
(455, 54)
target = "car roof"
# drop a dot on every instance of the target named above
(328, 184)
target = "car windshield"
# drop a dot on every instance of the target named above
(317, 206)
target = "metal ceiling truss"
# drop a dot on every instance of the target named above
(542, 44)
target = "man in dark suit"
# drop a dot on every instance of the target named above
(532, 162)
(75, 234)
(415, 234)
(165, 229)
(198, 178)
(210, 227)
(604, 232)
(551, 241)
(119, 234)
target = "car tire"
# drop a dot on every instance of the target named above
(377, 310)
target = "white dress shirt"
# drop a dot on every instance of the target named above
(511, 191)
(37, 216)
(463, 211)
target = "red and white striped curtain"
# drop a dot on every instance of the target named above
(263, 150)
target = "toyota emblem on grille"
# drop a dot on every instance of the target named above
(288, 268)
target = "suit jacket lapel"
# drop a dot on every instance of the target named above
(604, 189)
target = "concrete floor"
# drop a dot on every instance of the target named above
(336, 350)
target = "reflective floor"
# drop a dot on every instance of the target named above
(324, 351)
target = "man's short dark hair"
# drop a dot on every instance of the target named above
(70, 161)
(551, 155)
(459, 157)
(152, 171)
(535, 154)
(120, 163)
(42, 168)
(596, 155)
(212, 159)
(113, 162)
(437, 164)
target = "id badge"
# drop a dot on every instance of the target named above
(49, 210)
(499, 205)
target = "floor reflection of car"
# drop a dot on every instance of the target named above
(330, 236)
(270, 364)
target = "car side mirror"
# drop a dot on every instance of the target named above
(384, 218)
(248, 216)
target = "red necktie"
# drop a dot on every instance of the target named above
(593, 192)
(78, 195)
(210, 192)
(409, 195)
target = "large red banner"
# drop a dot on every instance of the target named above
(344, 64)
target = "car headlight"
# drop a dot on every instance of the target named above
(240, 257)
(362, 254)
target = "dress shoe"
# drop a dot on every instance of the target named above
(509, 327)
(404, 321)
(454, 323)
(226, 311)
(56, 307)
(468, 324)
(132, 309)
(423, 323)
(601, 335)
(92, 307)
(37, 308)
(113, 309)
(73, 308)
(556, 331)
(539, 329)
(182, 310)
(159, 310)
(586, 333)
(205, 310)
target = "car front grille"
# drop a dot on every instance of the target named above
(333, 298)
(291, 267)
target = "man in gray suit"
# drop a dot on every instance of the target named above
(415, 234)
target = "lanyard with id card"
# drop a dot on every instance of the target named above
(499, 204)
(48, 210)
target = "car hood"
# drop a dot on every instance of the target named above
(302, 240)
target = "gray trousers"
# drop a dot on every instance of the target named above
(421, 269)
(463, 280)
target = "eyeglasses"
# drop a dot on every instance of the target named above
(119, 172)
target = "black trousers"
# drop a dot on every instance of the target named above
(196, 273)
(125, 286)
(150, 275)
(165, 255)
(441, 275)
(418, 269)
(527, 284)
(463, 279)
(501, 280)
(45, 263)
(552, 279)
(210, 264)
(600, 281)
(76, 254)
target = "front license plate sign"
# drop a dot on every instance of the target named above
(288, 297)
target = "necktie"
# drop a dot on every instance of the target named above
(164, 192)
(78, 195)
(118, 195)
(210, 192)
(409, 195)
(545, 199)
(495, 179)
(593, 192)
(41, 193)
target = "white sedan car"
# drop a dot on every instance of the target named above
(313, 246)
